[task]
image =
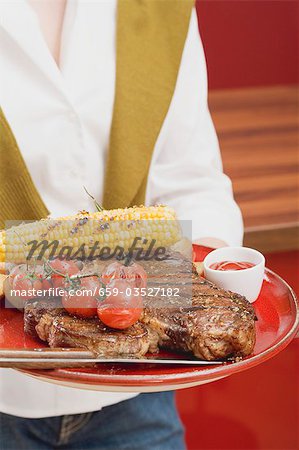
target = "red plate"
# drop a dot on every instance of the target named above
(278, 318)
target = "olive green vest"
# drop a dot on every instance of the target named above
(150, 39)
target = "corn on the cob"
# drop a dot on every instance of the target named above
(111, 228)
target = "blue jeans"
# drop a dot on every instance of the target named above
(148, 421)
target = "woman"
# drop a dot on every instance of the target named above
(110, 95)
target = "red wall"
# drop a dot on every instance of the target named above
(250, 43)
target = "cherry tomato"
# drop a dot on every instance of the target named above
(46, 280)
(26, 285)
(47, 284)
(133, 273)
(64, 267)
(31, 272)
(79, 298)
(21, 268)
(121, 310)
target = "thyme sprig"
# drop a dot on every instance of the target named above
(97, 205)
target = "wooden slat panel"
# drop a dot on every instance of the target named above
(273, 239)
(258, 134)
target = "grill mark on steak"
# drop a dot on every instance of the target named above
(55, 326)
(67, 331)
(205, 320)
(219, 324)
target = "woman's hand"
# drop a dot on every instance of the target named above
(210, 242)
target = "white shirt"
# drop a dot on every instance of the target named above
(61, 119)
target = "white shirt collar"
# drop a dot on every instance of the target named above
(22, 26)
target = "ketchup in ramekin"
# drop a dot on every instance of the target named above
(226, 267)
(231, 265)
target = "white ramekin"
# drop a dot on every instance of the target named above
(247, 282)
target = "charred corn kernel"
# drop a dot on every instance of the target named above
(112, 228)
